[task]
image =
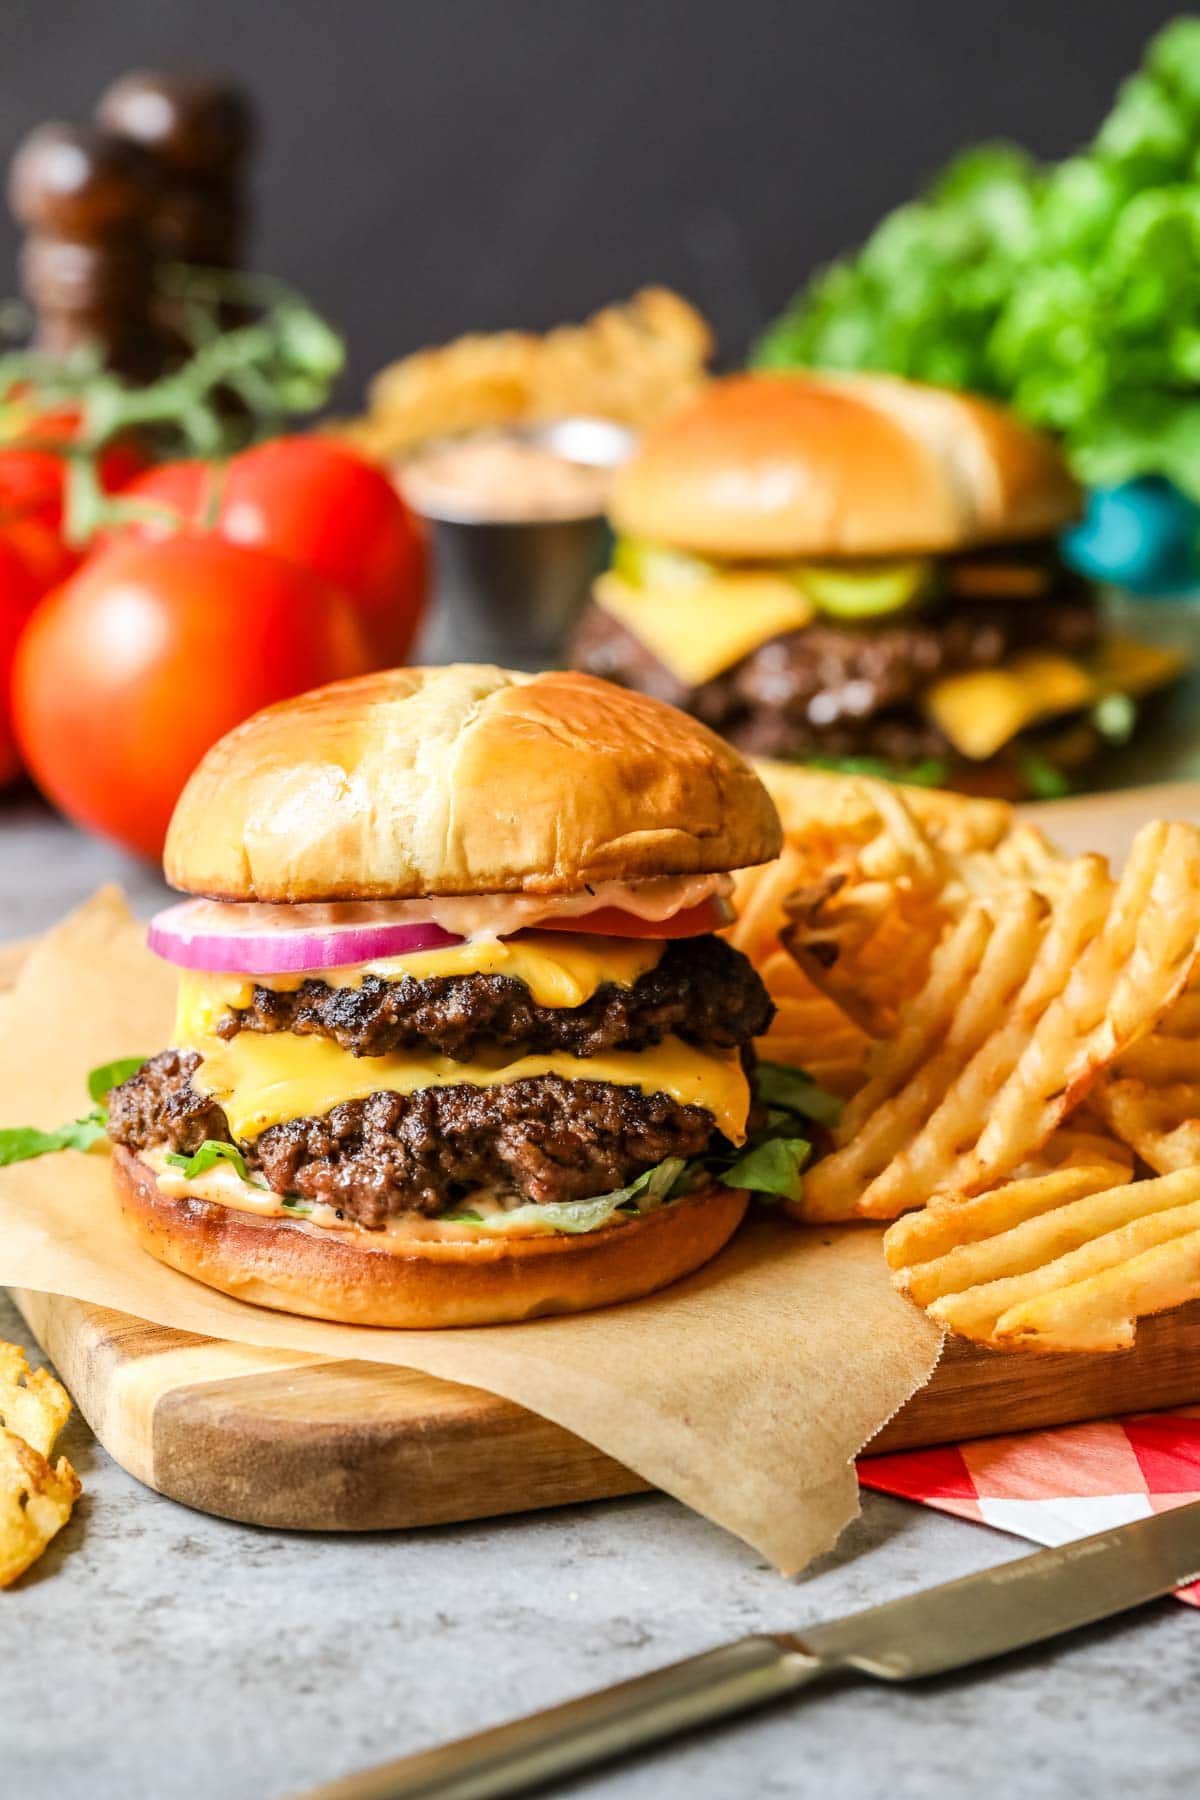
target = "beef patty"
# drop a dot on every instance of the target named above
(543, 1138)
(842, 690)
(701, 990)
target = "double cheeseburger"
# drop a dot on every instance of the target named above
(862, 572)
(456, 1042)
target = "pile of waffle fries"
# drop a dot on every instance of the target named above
(1017, 1036)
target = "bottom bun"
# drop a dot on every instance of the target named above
(301, 1268)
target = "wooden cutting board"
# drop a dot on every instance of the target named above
(292, 1440)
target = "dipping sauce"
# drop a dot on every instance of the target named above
(515, 476)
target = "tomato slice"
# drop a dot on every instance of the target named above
(610, 921)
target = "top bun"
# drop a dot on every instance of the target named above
(463, 780)
(840, 465)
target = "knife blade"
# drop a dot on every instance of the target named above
(971, 1620)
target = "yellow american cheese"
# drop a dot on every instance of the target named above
(559, 969)
(981, 710)
(264, 1078)
(699, 631)
(1122, 665)
(984, 709)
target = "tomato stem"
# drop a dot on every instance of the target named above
(239, 384)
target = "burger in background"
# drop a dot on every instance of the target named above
(862, 573)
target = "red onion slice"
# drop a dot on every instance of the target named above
(178, 937)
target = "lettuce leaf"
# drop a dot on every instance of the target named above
(791, 1090)
(771, 1169)
(19, 1143)
(644, 1195)
(1071, 290)
(206, 1157)
(101, 1081)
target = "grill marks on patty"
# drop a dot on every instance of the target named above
(843, 690)
(543, 1138)
(701, 990)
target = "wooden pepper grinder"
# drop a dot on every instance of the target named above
(199, 130)
(87, 200)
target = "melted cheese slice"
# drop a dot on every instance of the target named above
(981, 710)
(559, 969)
(984, 709)
(265, 1078)
(698, 632)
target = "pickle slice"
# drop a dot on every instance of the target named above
(866, 590)
(644, 564)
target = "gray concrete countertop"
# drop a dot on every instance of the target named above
(157, 1652)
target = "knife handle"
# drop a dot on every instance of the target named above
(547, 1746)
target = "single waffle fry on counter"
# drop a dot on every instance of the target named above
(1030, 997)
(1068, 1261)
(36, 1499)
(36, 1496)
(1151, 1097)
(32, 1402)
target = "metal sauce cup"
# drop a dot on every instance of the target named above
(510, 590)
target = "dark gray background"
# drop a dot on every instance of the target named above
(434, 165)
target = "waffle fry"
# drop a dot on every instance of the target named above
(1064, 1261)
(35, 1503)
(823, 816)
(632, 362)
(32, 1403)
(1027, 1002)
(36, 1496)
(1152, 1097)
(865, 931)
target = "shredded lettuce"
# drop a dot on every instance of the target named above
(770, 1164)
(1043, 778)
(644, 1195)
(771, 1169)
(1069, 290)
(789, 1090)
(933, 772)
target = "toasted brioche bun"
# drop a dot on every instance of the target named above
(300, 1268)
(840, 465)
(463, 780)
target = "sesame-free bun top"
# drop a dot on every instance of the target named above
(463, 780)
(825, 465)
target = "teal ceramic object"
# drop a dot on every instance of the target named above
(1143, 536)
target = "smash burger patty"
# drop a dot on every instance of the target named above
(844, 690)
(701, 990)
(543, 1137)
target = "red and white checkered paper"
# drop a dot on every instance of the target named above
(1054, 1486)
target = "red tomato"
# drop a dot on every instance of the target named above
(19, 592)
(33, 480)
(316, 503)
(48, 560)
(610, 921)
(152, 651)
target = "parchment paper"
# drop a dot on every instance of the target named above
(744, 1391)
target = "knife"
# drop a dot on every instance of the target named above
(946, 1627)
